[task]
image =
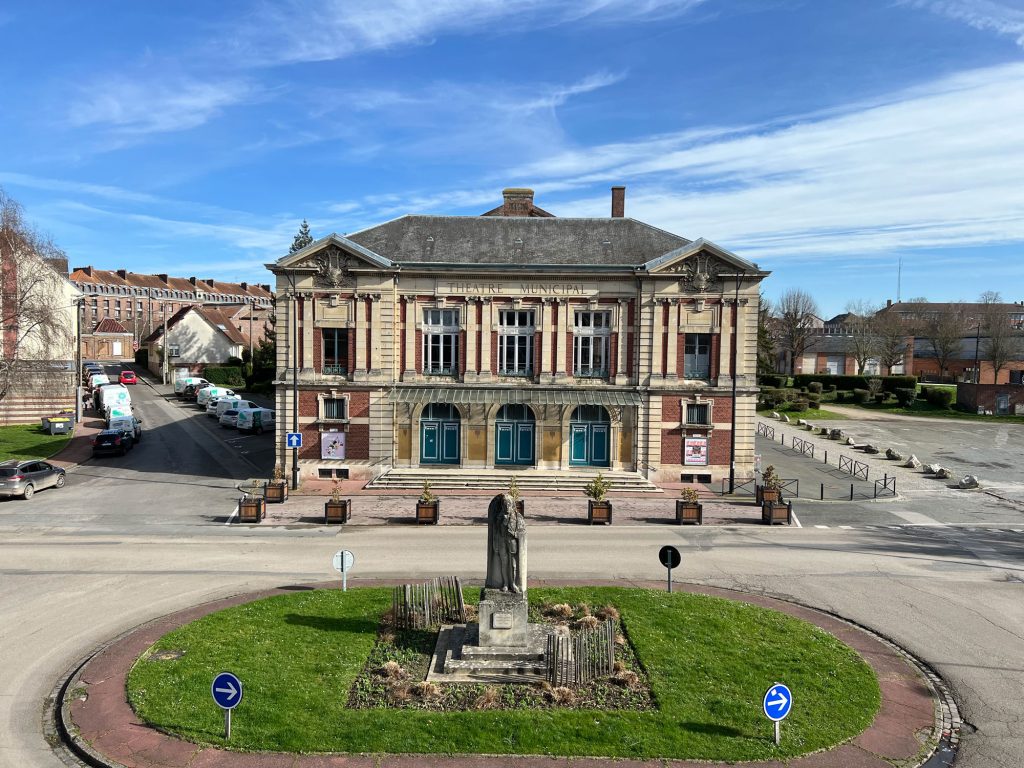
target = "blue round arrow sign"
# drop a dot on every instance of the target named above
(777, 702)
(226, 690)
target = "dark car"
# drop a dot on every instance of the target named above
(23, 478)
(192, 390)
(117, 441)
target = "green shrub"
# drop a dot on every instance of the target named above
(938, 396)
(235, 361)
(798, 405)
(879, 397)
(861, 396)
(815, 387)
(224, 375)
(772, 380)
(814, 404)
(894, 383)
(261, 388)
(906, 396)
(812, 398)
(889, 383)
(830, 387)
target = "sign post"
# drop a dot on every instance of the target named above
(776, 704)
(670, 558)
(226, 690)
(343, 562)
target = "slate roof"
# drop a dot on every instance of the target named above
(108, 325)
(186, 285)
(508, 240)
(172, 321)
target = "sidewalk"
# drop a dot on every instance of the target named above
(79, 448)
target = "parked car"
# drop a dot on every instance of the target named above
(231, 403)
(180, 384)
(25, 477)
(255, 419)
(189, 393)
(112, 441)
(229, 418)
(203, 395)
(130, 424)
(127, 377)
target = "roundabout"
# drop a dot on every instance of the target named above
(708, 654)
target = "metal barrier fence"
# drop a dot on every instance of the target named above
(806, 447)
(580, 658)
(856, 468)
(789, 487)
(766, 430)
(885, 487)
(740, 487)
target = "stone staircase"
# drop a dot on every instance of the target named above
(458, 658)
(550, 481)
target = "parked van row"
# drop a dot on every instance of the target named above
(113, 401)
(223, 404)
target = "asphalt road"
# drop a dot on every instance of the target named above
(111, 550)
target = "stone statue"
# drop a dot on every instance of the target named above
(506, 546)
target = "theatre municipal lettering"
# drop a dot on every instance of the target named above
(517, 342)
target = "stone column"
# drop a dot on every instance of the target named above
(560, 372)
(742, 372)
(673, 340)
(359, 370)
(622, 361)
(546, 307)
(657, 329)
(725, 344)
(472, 372)
(377, 334)
(485, 338)
(307, 332)
(410, 338)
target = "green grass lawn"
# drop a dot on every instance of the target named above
(922, 407)
(29, 441)
(811, 414)
(709, 662)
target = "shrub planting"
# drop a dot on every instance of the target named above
(906, 397)
(937, 396)
(815, 387)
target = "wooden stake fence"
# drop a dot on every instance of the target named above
(580, 658)
(438, 601)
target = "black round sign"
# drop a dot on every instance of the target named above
(669, 557)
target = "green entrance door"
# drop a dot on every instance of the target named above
(590, 437)
(439, 434)
(514, 436)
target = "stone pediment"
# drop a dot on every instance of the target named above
(334, 260)
(703, 267)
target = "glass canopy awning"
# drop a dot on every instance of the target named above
(529, 395)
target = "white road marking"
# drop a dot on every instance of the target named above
(796, 521)
(232, 516)
(846, 527)
(916, 518)
(821, 526)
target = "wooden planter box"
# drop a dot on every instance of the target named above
(338, 511)
(688, 513)
(762, 494)
(276, 492)
(776, 513)
(428, 512)
(251, 510)
(599, 512)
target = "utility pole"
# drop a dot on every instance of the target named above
(977, 342)
(167, 351)
(295, 382)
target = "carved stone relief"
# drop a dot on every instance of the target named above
(333, 268)
(699, 272)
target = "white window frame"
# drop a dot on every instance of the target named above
(515, 357)
(173, 350)
(688, 367)
(590, 342)
(333, 397)
(440, 338)
(698, 407)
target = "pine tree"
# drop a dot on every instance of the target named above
(302, 239)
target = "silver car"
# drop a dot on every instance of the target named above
(24, 478)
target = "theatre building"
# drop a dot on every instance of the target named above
(463, 348)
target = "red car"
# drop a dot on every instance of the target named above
(127, 377)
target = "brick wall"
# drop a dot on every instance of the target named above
(357, 442)
(672, 446)
(718, 450)
(721, 407)
(568, 353)
(318, 349)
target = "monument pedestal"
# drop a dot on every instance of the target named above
(503, 619)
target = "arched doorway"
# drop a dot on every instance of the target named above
(514, 429)
(439, 434)
(590, 437)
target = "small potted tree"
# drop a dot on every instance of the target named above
(252, 507)
(277, 489)
(599, 509)
(769, 489)
(773, 508)
(428, 506)
(337, 509)
(517, 497)
(688, 508)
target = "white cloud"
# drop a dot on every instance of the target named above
(154, 105)
(323, 30)
(939, 165)
(77, 187)
(985, 15)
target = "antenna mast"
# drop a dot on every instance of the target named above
(899, 281)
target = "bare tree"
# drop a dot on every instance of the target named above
(943, 329)
(796, 314)
(990, 297)
(1001, 343)
(862, 341)
(765, 336)
(34, 309)
(891, 337)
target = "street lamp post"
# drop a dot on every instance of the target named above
(735, 375)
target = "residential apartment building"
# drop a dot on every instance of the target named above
(518, 340)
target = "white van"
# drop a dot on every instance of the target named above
(230, 403)
(111, 394)
(98, 378)
(255, 419)
(117, 411)
(206, 394)
(180, 384)
(128, 424)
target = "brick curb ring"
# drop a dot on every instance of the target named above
(917, 722)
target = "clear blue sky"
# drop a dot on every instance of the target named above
(823, 139)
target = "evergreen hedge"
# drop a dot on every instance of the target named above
(889, 383)
(224, 375)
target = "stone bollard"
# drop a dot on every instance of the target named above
(775, 415)
(944, 474)
(968, 481)
(850, 441)
(931, 469)
(785, 418)
(913, 462)
(891, 453)
(869, 448)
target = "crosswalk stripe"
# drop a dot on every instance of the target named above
(821, 526)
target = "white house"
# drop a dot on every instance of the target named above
(197, 336)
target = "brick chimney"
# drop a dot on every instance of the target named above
(163, 278)
(209, 282)
(245, 287)
(123, 274)
(518, 201)
(87, 270)
(618, 202)
(265, 287)
(192, 280)
(888, 303)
